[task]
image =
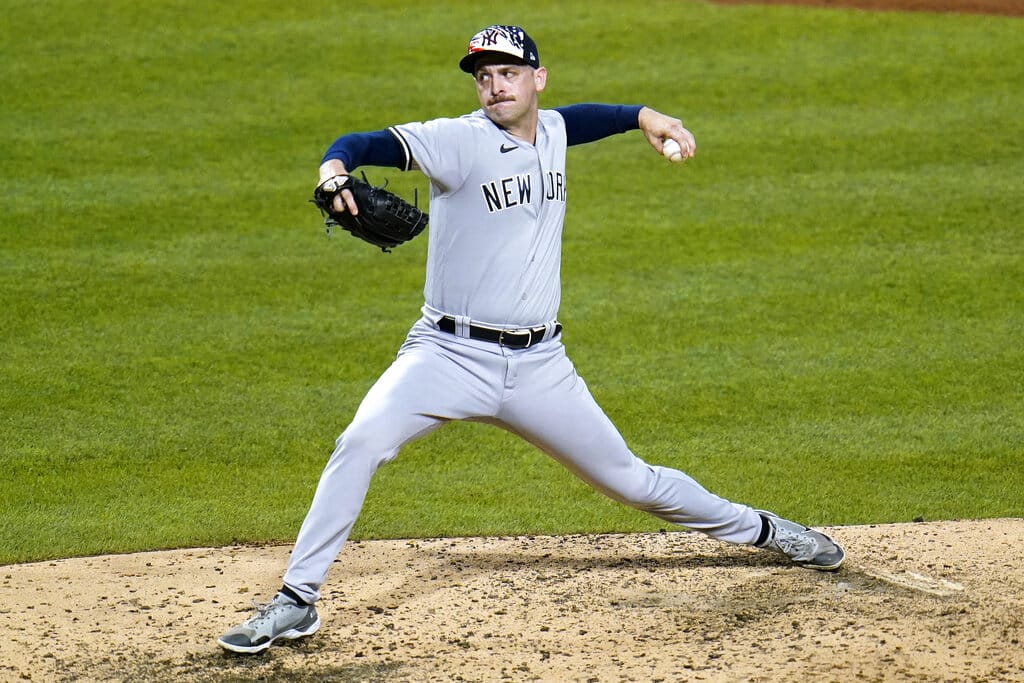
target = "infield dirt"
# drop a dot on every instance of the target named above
(936, 601)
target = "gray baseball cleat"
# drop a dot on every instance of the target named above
(806, 547)
(279, 618)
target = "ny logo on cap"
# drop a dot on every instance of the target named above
(510, 40)
(494, 34)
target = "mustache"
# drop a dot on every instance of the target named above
(499, 100)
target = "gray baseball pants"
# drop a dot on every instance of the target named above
(532, 392)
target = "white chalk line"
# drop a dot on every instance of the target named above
(918, 582)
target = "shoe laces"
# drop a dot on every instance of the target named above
(795, 544)
(263, 611)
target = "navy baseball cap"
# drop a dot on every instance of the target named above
(507, 40)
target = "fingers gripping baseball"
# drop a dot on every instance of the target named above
(667, 135)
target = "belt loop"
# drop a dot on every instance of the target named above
(462, 324)
(549, 330)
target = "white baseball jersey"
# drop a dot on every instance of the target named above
(497, 205)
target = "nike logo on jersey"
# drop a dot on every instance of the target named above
(506, 150)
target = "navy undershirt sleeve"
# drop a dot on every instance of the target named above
(379, 148)
(590, 122)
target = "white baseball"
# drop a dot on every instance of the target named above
(670, 148)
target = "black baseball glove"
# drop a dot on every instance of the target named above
(384, 220)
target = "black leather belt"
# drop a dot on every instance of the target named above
(513, 339)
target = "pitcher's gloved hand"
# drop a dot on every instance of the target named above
(385, 220)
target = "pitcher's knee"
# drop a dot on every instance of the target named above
(357, 443)
(638, 490)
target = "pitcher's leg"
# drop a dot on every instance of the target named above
(423, 388)
(574, 430)
(553, 409)
(364, 446)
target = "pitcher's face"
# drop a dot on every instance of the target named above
(508, 92)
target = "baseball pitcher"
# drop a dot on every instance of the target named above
(488, 344)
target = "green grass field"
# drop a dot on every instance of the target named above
(823, 313)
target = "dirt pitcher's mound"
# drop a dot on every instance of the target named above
(941, 601)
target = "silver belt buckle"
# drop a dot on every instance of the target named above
(527, 331)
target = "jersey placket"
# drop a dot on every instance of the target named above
(521, 286)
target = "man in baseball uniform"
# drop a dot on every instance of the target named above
(488, 344)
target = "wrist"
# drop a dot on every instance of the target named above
(331, 168)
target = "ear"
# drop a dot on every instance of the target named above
(540, 78)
